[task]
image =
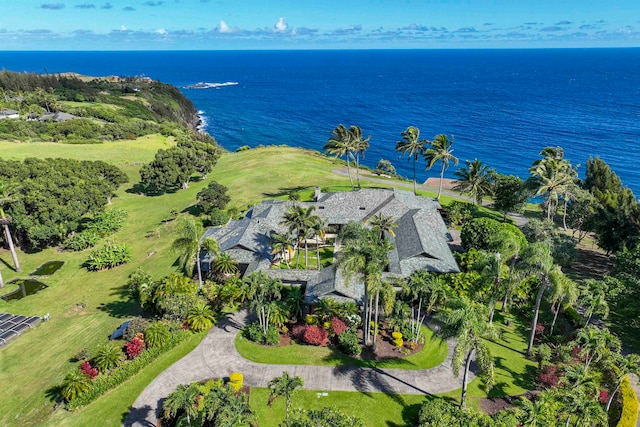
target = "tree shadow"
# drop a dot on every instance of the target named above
(285, 191)
(143, 190)
(121, 309)
(54, 394)
(194, 210)
(137, 417)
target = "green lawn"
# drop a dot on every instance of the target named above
(375, 409)
(326, 259)
(433, 354)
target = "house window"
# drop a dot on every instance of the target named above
(362, 208)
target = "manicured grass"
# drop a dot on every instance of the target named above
(433, 354)
(326, 259)
(374, 409)
(514, 373)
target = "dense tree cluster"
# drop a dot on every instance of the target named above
(47, 198)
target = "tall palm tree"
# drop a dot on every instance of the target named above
(509, 246)
(413, 147)
(467, 322)
(596, 343)
(188, 245)
(281, 243)
(593, 299)
(629, 364)
(564, 291)
(358, 146)
(183, 399)
(317, 230)
(299, 220)
(263, 292)
(383, 224)
(363, 254)
(339, 145)
(476, 180)
(490, 267)
(5, 220)
(284, 385)
(537, 412)
(75, 384)
(552, 176)
(537, 261)
(440, 151)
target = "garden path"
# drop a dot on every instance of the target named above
(216, 356)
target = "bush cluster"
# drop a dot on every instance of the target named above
(253, 332)
(348, 342)
(338, 326)
(88, 370)
(315, 335)
(235, 381)
(108, 256)
(134, 347)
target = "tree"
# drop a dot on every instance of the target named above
(538, 412)
(263, 292)
(509, 194)
(625, 365)
(595, 344)
(5, 198)
(75, 384)
(552, 176)
(384, 167)
(537, 261)
(339, 145)
(204, 154)
(490, 267)
(383, 224)
(363, 254)
(284, 386)
(224, 266)
(509, 242)
(467, 322)
(593, 299)
(214, 196)
(282, 244)
(108, 357)
(171, 169)
(440, 151)
(413, 147)
(358, 146)
(475, 180)
(325, 417)
(183, 399)
(564, 291)
(188, 245)
(299, 221)
(425, 292)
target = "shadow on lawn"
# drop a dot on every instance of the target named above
(120, 309)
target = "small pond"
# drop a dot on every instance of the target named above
(27, 287)
(48, 268)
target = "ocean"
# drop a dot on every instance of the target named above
(502, 106)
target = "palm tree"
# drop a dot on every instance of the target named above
(593, 299)
(183, 399)
(75, 384)
(188, 245)
(263, 292)
(358, 147)
(281, 244)
(552, 176)
(200, 317)
(509, 246)
(440, 151)
(476, 180)
(537, 261)
(426, 291)
(467, 322)
(413, 147)
(108, 357)
(629, 364)
(490, 267)
(5, 220)
(383, 224)
(340, 145)
(565, 291)
(365, 254)
(317, 231)
(284, 386)
(596, 343)
(537, 412)
(299, 221)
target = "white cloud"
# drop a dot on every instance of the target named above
(224, 28)
(123, 28)
(280, 25)
(161, 31)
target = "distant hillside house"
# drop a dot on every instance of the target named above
(6, 113)
(56, 117)
(421, 241)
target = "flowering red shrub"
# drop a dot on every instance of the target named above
(539, 329)
(134, 347)
(297, 332)
(86, 369)
(338, 326)
(549, 376)
(315, 335)
(603, 397)
(575, 354)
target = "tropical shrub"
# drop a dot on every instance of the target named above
(348, 342)
(200, 317)
(74, 385)
(83, 354)
(81, 241)
(397, 339)
(315, 335)
(88, 370)
(235, 381)
(460, 212)
(325, 417)
(253, 332)
(311, 319)
(272, 337)
(549, 376)
(134, 347)
(108, 256)
(136, 326)
(108, 357)
(338, 326)
(478, 233)
(629, 416)
(384, 167)
(297, 332)
(218, 217)
(103, 383)
(157, 335)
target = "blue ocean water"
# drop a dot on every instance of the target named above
(502, 106)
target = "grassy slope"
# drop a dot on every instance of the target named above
(85, 307)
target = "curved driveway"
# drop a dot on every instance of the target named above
(216, 356)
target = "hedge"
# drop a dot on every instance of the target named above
(104, 383)
(629, 416)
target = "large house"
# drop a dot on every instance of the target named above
(420, 242)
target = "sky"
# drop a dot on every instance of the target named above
(316, 24)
